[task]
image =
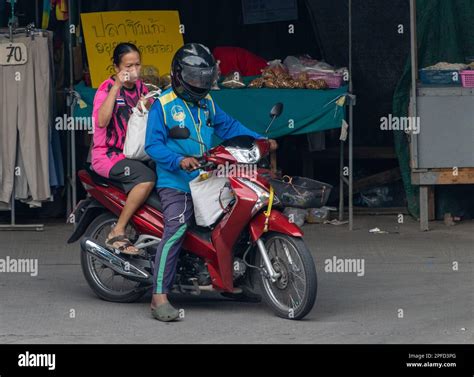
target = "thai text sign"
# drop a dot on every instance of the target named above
(155, 33)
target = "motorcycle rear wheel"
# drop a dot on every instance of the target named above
(106, 283)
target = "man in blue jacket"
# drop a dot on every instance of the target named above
(186, 104)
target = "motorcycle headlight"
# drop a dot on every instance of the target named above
(263, 195)
(245, 156)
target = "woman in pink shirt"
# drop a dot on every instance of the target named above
(113, 104)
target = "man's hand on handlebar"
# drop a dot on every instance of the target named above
(189, 163)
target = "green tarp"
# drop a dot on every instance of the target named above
(304, 110)
(445, 33)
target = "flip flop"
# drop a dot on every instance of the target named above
(123, 248)
(165, 313)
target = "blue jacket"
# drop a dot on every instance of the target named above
(170, 110)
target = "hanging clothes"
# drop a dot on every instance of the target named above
(56, 169)
(46, 14)
(25, 111)
(62, 13)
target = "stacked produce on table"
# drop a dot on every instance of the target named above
(276, 75)
(311, 69)
(293, 73)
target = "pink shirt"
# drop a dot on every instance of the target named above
(108, 141)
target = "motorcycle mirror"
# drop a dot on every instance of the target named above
(276, 110)
(178, 132)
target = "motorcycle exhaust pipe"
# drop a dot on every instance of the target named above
(115, 262)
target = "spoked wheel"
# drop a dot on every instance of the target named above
(105, 282)
(293, 294)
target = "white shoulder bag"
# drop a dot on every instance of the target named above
(134, 146)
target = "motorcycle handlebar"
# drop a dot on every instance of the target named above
(203, 163)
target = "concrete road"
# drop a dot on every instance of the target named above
(416, 288)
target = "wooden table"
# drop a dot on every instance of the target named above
(427, 178)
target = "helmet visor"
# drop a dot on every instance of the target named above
(202, 78)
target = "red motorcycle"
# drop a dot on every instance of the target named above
(251, 250)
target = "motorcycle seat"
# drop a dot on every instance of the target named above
(153, 200)
(101, 181)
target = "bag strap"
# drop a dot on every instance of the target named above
(141, 106)
(153, 93)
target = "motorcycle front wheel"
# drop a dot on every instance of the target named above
(293, 294)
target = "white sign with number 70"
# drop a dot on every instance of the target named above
(13, 54)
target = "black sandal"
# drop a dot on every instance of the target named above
(126, 244)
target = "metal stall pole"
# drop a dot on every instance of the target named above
(72, 200)
(351, 133)
(413, 113)
(341, 180)
(349, 180)
(68, 171)
(414, 57)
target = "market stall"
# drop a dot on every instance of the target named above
(440, 111)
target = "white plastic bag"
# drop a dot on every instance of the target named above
(134, 146)
(206, 194)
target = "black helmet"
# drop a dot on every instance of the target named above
(193, 72)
